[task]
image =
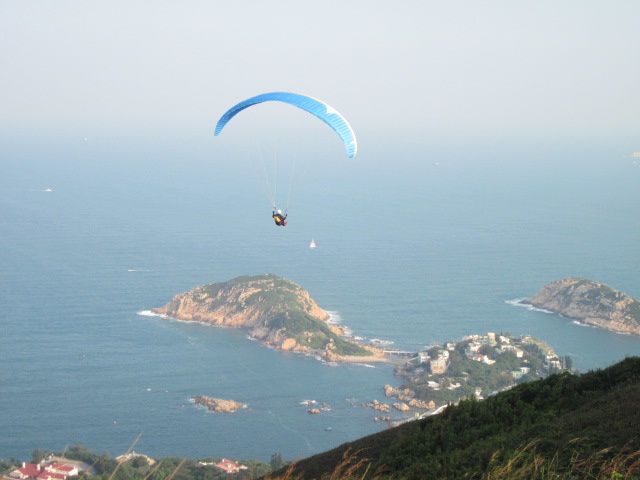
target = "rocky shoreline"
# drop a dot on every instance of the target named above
(276, 312)
(590, 303)
(217, 405)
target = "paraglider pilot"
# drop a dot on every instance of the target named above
(279, 218)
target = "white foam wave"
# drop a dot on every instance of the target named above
(334, 318)
(580, 324)
(518, 302)
(380, 343)
(149, 313)
(196, 322)
(137, 270)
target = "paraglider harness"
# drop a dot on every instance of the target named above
(279, 218)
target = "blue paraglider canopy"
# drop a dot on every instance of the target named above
(315, 107)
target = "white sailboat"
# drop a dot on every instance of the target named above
(312, 244)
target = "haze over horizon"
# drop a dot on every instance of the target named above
(418, 71)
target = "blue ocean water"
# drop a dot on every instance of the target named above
(415, 248)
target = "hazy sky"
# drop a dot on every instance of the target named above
(539, 68)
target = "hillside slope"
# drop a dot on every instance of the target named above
(556, 421)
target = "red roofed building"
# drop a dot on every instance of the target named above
(66, 470)
(28, 470)
(229, 466)
(46, 474)
(54, 471)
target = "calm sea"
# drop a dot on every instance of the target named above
(413, 248)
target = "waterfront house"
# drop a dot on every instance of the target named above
(40, 471)
(230, 466)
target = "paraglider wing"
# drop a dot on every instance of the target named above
(315, 107)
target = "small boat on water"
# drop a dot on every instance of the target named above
(312, 244)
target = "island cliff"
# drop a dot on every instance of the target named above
(275, 311)
(591, 303)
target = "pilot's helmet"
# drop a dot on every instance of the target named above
(279, 212)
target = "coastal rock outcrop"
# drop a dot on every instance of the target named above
(404, 394)
(401, 406)
(379, 406)
(591, 303)
(415, 403)
(218, 405)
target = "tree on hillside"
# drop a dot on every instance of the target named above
(38, 454)
(567, 362)
(276, 461)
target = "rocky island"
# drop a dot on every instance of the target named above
(275, 311)
(591, 303)
(218, 405)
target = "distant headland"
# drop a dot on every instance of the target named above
(275, 311)
(590, 303)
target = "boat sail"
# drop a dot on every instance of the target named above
(312, 244)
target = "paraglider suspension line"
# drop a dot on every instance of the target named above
(291, 180)
(268, 191)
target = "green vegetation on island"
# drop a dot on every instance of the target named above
(566, 426)
(276, 311)
(478, 365)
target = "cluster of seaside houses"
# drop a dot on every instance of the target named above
(476, 350)
(226, 465)
(58, 468)
(50, 469)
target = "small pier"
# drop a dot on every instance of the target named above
(400, 353)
